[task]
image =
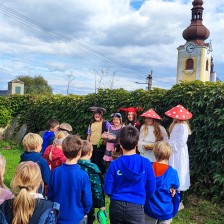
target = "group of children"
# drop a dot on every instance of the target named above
(70, 171)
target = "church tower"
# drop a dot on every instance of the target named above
(194, 57)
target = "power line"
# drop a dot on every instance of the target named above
(67, 40)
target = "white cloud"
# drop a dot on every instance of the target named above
(84, 35)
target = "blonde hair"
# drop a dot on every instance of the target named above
(157, 131)
(162, 150)
(2, 171)
(31, 141)
(180, 122)
(27, 177)
(65, 127)
(59, 137)
(86, 148)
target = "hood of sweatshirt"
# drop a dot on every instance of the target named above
(132, 167)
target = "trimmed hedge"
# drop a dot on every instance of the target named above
(204, 100)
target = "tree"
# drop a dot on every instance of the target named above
(69, 77)
(35, 85)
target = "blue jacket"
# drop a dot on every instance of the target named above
(161, 205)
(37, 158)
(70, 187)
(130, 178)
(48, 138)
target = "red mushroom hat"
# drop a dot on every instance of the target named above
(179, 112)
(151, 114)
(130, 109)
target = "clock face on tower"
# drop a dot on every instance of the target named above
(190, 48)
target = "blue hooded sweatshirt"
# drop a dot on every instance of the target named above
(161, 205)
(48, 138)
(129, 178)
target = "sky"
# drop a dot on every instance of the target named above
(100, 43)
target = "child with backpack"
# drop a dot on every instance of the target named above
(27, 206)
(95, 178)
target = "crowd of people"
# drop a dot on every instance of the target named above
(63, 179)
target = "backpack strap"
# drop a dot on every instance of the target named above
(2, 218)
(50, 216)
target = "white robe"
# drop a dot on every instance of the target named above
(150, 138)
(179, 159)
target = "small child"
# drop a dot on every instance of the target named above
(32, 144)
(69, 184)
(53, 153)
(27, 206)
(112, 137)
(95, 178)
(163, 205)
(48, 136)
(5, 193)
(128, 180)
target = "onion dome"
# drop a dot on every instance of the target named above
(196, 32)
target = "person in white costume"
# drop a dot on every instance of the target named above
(179, 131)
(150, 133)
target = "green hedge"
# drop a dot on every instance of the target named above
(204, 100)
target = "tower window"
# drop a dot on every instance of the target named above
(189, 64)
(207, 65)
(18, 90)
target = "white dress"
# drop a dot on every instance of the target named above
(179, 159)
(150, 138)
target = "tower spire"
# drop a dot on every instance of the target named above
(196, 32)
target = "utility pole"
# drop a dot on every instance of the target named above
(149, 78)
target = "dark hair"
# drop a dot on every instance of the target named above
(52, 123)
(71, 145)
(129, 136)
(127, 122)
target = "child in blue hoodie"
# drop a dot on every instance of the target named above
(162, 206)
(48, 136)
(128, 180)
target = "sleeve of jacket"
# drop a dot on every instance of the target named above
(86, 194)
(45, 170)
(109, 180)
(150, 181)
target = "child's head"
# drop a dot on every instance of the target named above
(87, 149)
(53, 125)
(27, 178)
(59, 137)
(66, 127)
(71, 146)
(2, 170)
(162, 150)
(129, 136)
(32, 142)
(117, 119)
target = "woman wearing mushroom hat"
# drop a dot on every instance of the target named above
(150, 133)
(179, 131)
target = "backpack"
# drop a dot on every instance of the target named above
(50, 216)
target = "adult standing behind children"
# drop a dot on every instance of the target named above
(27, 206)
(5, 193)
(32, 144)
(131, 116)
(96, 127)
(150, 133)
(179, 131)
(69, 185)
(163, 205)
(53, 153)
(95, 178)
(128, 179)
(48, 136)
